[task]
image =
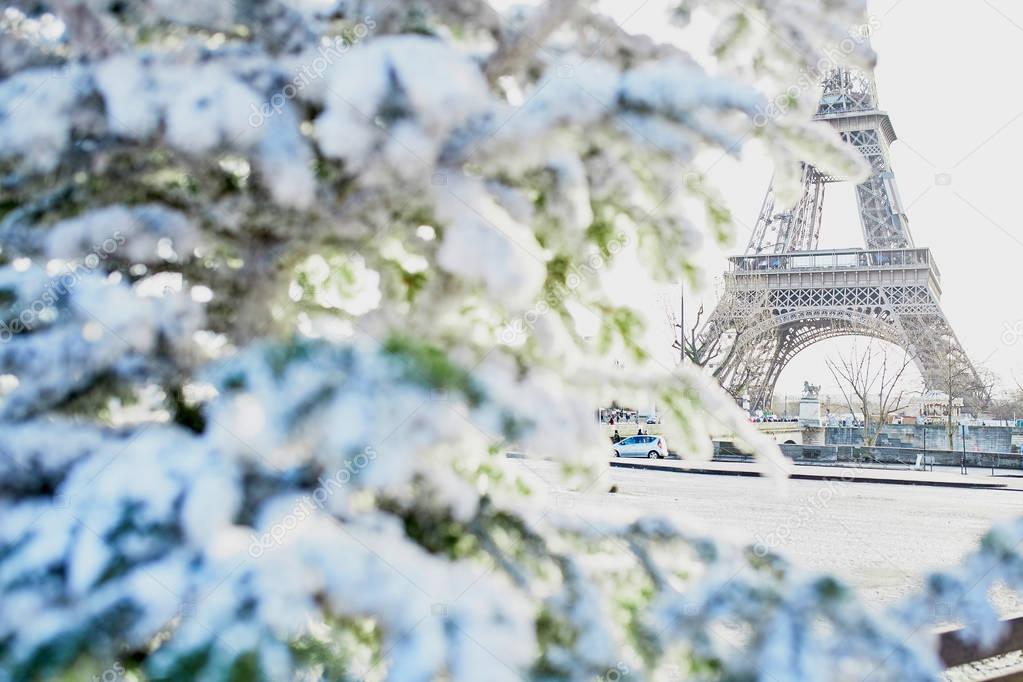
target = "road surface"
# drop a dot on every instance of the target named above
(880, 538)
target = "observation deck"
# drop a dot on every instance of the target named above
(913, 267)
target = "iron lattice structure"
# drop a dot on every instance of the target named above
(785, 294)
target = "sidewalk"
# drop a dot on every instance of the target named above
(978, 478)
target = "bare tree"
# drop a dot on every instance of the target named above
(692, 347)
(961, 383)
(868, 378)
(1009, 407)
(716, 340)
(707, 344)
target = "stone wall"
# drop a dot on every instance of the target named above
(843, 454)
(918, 436)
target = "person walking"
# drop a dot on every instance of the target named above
(616, 438)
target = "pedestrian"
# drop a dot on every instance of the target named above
(639, 432)
(616, 438)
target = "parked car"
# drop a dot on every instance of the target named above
(653, 447)
(652, 420)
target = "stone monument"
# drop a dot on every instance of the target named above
(810, 415)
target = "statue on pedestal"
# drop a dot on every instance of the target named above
(810, 415)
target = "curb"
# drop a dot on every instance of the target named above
(811, 477)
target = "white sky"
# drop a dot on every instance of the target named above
(949, 76)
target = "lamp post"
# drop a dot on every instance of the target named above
(925, 447)
(682, 320)
(962, 431)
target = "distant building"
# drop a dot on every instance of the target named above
(647, 407)
(932, 408)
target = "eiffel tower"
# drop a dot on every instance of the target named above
(785, 294)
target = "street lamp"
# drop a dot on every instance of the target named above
(962, 464)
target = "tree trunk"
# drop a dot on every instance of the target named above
(868, 439)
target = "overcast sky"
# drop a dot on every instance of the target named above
(949, 74)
